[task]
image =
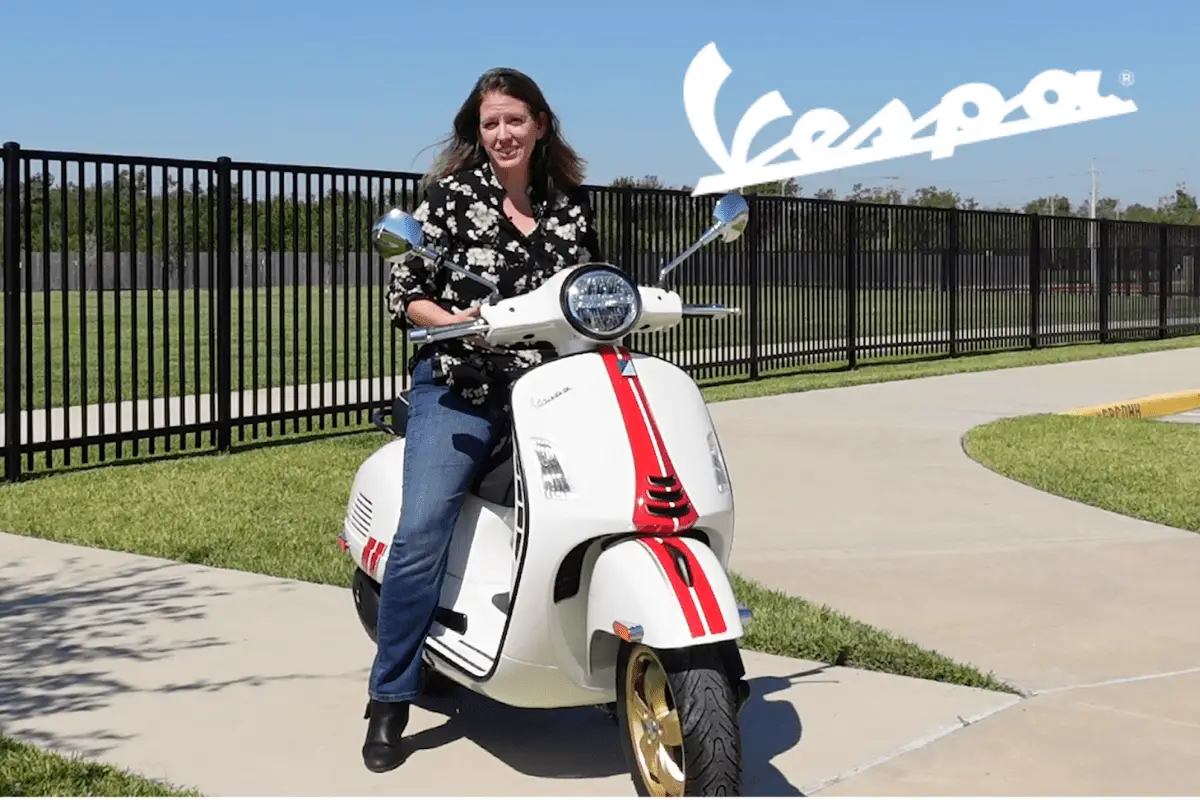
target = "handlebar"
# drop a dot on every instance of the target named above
(474, 327)
(710, 311)
(454, 330)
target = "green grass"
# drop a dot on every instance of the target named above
(1141, 468)
(176, 338)
(174, 335)
(27, 771)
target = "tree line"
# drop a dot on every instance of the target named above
(130, 212)
(1176, 208)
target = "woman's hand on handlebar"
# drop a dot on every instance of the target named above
(427, 314)
(424, 313)
(466, 316)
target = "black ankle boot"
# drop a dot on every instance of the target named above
(382, 749)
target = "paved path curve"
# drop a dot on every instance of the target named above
(862, 498)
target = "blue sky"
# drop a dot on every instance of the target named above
(372, 84)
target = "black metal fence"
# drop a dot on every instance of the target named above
(156, 305)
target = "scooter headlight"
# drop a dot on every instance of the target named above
(601, 303)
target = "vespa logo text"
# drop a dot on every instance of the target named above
(539, 402)
(1078, 100)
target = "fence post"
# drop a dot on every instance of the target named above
(1035, 281)
(951, 271)
(1164, 278)
(12, 311)
(627, 248)
(851, 284)
(1105, 267)
(754, 282)
(224, 305)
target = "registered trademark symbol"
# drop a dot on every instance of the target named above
(1127, 78)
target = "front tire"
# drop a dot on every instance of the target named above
(678, 717)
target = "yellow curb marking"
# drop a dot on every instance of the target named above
(1158, 405)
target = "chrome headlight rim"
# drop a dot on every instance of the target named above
(593, 269)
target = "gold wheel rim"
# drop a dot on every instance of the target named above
(654, 727)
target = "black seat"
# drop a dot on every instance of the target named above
(496, 482)
(400, 412)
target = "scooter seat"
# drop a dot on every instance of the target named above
(398, 414)
(496, 482)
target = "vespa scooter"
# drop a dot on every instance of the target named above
(588, 564)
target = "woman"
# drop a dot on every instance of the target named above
(503, 199)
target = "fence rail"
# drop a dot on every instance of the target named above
(156, 305)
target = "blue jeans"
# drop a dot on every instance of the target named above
(446, 443)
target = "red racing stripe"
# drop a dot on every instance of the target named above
(371, 554)
(704, 591)
(650, 456)
(682, 594)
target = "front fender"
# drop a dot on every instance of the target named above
(672, 587)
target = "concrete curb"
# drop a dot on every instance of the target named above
(1157, 405)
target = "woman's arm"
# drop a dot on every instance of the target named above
(412, 283)
(425, 313)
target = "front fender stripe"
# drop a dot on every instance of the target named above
(704, 590)
(682, 594)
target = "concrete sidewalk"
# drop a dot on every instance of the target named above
(862, 498)
(240, 684)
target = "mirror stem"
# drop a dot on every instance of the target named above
(668, 268)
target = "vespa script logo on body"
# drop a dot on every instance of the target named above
(1078, 100)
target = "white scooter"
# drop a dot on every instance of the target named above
(588, 564)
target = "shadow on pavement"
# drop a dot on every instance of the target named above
(83, 637)
(583, 743)
(65, 635)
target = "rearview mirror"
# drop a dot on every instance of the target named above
(730, 215)
(396, 233)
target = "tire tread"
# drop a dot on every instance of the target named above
(710, 728)
(708, 716)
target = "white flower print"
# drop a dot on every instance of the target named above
(481, 216)
(476, 235)
(482, 257)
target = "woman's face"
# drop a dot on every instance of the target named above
(508, 130)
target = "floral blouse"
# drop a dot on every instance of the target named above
(463, 217)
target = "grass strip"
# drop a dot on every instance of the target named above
(1141, 468)
(28, 771)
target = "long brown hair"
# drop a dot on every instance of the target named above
(554, 163)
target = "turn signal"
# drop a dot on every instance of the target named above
(630, 633)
